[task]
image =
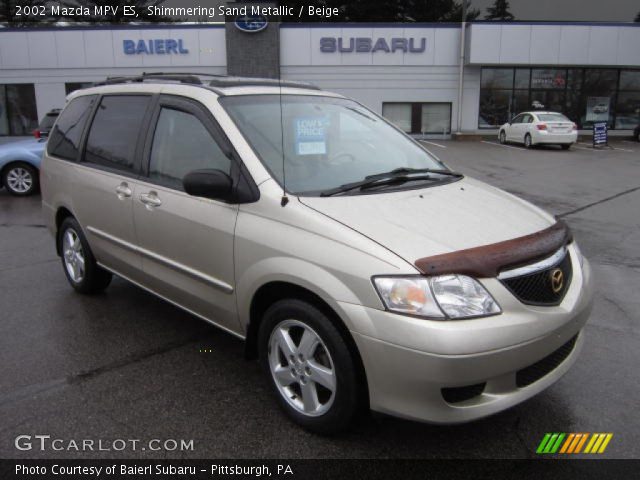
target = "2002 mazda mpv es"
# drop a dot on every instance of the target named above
(361, 270)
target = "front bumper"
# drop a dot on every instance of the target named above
(409, 361)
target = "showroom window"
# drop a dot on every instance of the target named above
(585, 95)
(421, 117)
(628, 100)
(18, 114)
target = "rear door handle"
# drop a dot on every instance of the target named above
(150, 200)
(123, 191)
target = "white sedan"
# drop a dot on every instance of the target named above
(536, 128)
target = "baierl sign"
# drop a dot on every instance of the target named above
(372, 45)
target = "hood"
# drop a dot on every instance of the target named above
(436, 220)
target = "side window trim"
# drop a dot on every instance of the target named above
(187, 106)
(137, 157)
(246, 189)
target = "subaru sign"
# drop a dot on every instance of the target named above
(372, 45)
(251, 23)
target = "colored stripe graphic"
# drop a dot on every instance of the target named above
(573, 443)
(543, 443)
(567, 442)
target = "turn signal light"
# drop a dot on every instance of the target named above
(575, 127)
(36, 133)
(541, 126)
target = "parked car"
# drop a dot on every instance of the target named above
(538, 128)
(20, 160)
(361, 271)
(600, 108)
(19, 166)
(47, 123)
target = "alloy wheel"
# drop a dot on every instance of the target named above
(302, 368)
(19, 180)
(74, 259)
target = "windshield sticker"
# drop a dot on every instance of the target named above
(310, 134)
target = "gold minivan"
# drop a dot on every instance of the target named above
(360, 270)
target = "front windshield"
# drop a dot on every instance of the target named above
(327, 142)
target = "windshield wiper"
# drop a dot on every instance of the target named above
(398, 175)
(408, 170)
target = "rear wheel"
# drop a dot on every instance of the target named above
(527, 141)
(309, 365)
(80, 267)
(566, 146)
(503, 137)
(20, 179)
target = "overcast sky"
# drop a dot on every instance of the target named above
(550, 10)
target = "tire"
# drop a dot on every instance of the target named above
(566, 146)
(502, 137)
(527, 141)
(284, 355)
(21, 179)
(78, 262)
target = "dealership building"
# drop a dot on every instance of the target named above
(410, 73)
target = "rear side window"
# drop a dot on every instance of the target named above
(115, 130)
(181, 144)
(64, 141)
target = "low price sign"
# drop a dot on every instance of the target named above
(600, 135)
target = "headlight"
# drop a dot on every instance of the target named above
(452, 296)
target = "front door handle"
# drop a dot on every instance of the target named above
(150, 200)
(123, 191)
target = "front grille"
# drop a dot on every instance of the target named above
(460, 394)
(535, 372)
(545, 287)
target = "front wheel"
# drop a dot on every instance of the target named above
(527, 141)
(80, 267)
(503, 137)
(20, 179)
(566, 146)
(310, 367)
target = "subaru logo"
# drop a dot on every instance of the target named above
(251, 23)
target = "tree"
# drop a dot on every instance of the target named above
(499, 11)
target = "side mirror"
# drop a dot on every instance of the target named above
(209, 183)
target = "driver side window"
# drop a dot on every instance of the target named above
(181, 144)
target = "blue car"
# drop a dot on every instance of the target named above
(20, 166)
(20, 160)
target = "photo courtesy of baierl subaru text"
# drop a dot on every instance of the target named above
(319, 239)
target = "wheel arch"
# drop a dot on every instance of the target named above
(16, 161)
(274, 291)
(62, 213)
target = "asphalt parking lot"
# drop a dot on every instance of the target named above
(128, 365)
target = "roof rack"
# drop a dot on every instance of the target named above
(219, 81)
(222, 81)
(175, 77)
